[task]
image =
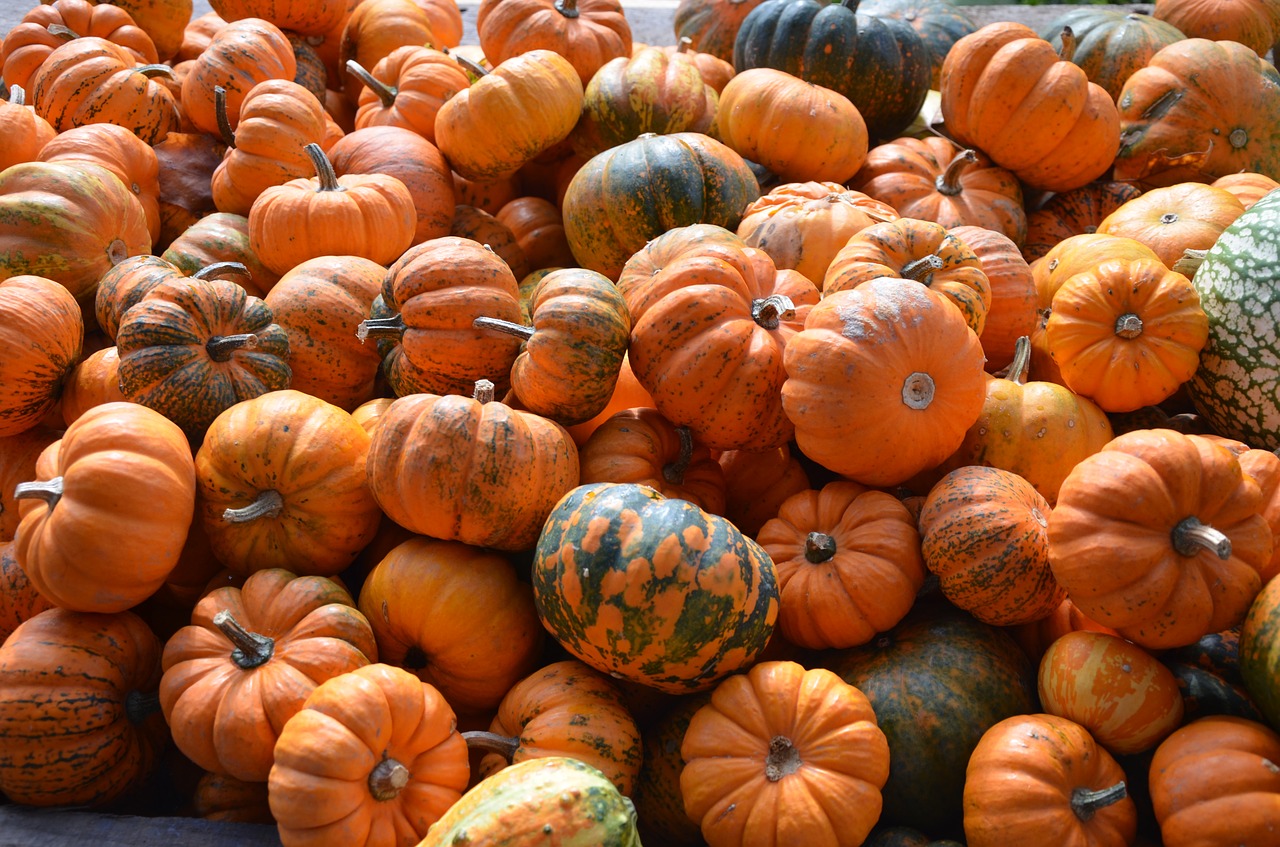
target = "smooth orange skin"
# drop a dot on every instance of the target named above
(241, 55)
(422, 79)
(1174, 219)
(29, 43)
(119, 151)
(758, 482)
(1013, 293)
(25, 132)
(597, 33)
(1248, 188)
(628, 393)
(94, 381)
(41, 334)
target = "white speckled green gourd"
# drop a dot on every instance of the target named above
(547, 802)
(1237, 386)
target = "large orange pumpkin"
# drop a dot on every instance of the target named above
(41, 333)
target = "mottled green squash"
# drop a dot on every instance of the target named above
(1110, 44)
(939, 23)
(1260, 652)
(220, 237)
(652, 590)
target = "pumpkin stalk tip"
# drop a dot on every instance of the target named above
(819, 547)
(568, 8)
(222, 270)
(921, 270)
(388, 779)
(50, 491)
(498, 325)
(1020, 368)
(1086, 802)
(62, 31)
(220, 115)
(1129, 325)
(474, 68)
(783, 759)
(674, 472)
(769, 312)
(268, 504)
(918, 390)
(483, 392)
(251, 649)
(947, 183)
(17, 96)
(220, 347)
(392, 327)
(385, 93)
(1191, 537)
(492, 742)
(324, 168)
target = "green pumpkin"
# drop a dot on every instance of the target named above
(1260, 652)
(220, 237)
(652, 590)
(880, 64)
(937, 682)
(1110, 44)
(939, 23)
(624, 197)
(1208, 675)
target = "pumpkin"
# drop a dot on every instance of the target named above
(163, 20)
(248, 661)
(908, 383)
(470, 469)
(1248, 188)
(628, 393)
(1253, 24)
(703, 609)
(220, 237)
(92, 382)
(1035, 637)
(1076, 212)
(564, 709)
(26, 132)
(932, 179)
(488, 194)
(586, 32)
(1259, 651)
(241, 55)
(1215, 780)
(19, 599)
(306, 17)
(658, 800)
(30, 41)
(1174, 219)
(18, 455)
(758, 482)
(538, 228)
(797, 129)
(848, 563)
(386, 749)
(781, 731)
(630, 194)
(41, 333)
(225, 798)
(407, 88)
(456, 616)
(1007, 92)
(194, 348)
(983, 531)
(484, 228)
(1013, 292)
(1159, 536)
(122, 287)
(640, 446)
(716, 72)
(1194, 95)
(78, 714)
(712, 25)
(1113, 688)
(372, 32)
(1033, 774)
(1110, 44)
(96, 490)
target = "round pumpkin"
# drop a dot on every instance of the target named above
(1110, 44)
(586, 32)
(41, 333)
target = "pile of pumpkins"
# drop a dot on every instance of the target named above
(848, 426)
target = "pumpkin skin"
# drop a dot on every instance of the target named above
(1034, 774)
(586, 32)
(220, 237)
(241, 55)
(712, 25)
(1143, 494)
(1113, 688)
(658, 799)
(592, 546)
(630, 194)
(909, 382)
(457, 616)
(1248, 188)
(1215, 781)
(485, 228)
(41, 333)
(85, 737)
(407, 89)
(758, 482)
(1111, 44)
(517, 465)
(19, 599)
(18, 455)
(1013, 293)
(848, 563)
(1253, 24)
(29, 43)
(983, 531)
(225, 798)
(1035, 637)
(94, 381)
(1208, 91)
(1076, 212)
(113, 465)
(305, 18)
(1260, 651)
(996, 96)
(382, 746)
(228, 686)
(25, 132)
(780, 731)
(1174, 219)
(538, 228)
(372, 31)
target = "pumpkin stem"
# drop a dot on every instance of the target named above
(1067, 51)
(117, 252)
(138, 706)
(50, 491)
(568, 8)
(948, 182)
(222, 270)
(918, 390)
(388, 779)
(1189, 262)
(783, 759)
(267, 505)
(1238, 137)
(769, 312)
(674, 471)
(518, 330)
(1128, 325)
(385, 93)
(921, 270)
(150, 71)
(1086, 802)
(252, 649)
(220, 114)
(819, 547)
(324, 168)
(220, 347)
(483, 392)
(474, 68)
(686, 45)
(1020, 367)
(1190, 537)
(491, 742)
(62, 31)
(392, 327)
(17, 96)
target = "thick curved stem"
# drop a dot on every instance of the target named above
(686, 45)
(948, 182)
(819, 547)
(1020, 367)
(62, 31)
(220, 347)
(921, 270)
(483, 392)
(17, 96)
(918, 390)
(1190, 537)
(392, 327)
(491, 742)
(268, 504)
(385, 93)
(1067, 51)
(674, 472)
(1189, 262)
(324, 168)
(222, 270)
(220, 115)
(1086, 802)
(138, 706)
(1128, 325)
(783, 759)
(507, 327)
(568, 8)
(476, 69)
(388, 779)
(49, 491)
(150, 71)
(769, 312)
(251, 649)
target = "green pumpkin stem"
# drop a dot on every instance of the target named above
(17, 96)
(388, 779)
(1129, 325)
(50, 491)
(392, 327)
(1020, 367)
(1190, 537)
(268, 504)
(222, 270)
(150, 71)
(220, 347)
(921, 270)
(507, 327)
(138, 706)
(674, 472)
(783, 759)
(1067, 50)
(948, 182)
(220, 114)
(491, 742)
(483, 392)
(819, 547)
(62, 31)
(769, 312)
(568, 8)
(476, 69)
(324, 168)
(251, 649)
(385, 93)
(1189, 262)
(1086, 802)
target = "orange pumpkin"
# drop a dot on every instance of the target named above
(25, 132)
(1013, 292)
(19, 599)
(30, 41)
(241, 55)
(758, 482)
(41, 333)
(1174, 219)
(18, 455)
(373, 30)
(1248, 188)
(94, 381)
(1075, 212)
(407, 88)
(586, 32)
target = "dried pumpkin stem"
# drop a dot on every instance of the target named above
(324, 168)
(491, 742)
(1190, 537)
(948, 182)
(117, 251)
(498, 325)
(474, 68)
(268, 504)
(392, 327)
(1086, 802)
(138, 706)
(674, 472)
(918, 390)
(921, 270)
(385, 93)
(1067, 51)
(686, 45)
(220, 347)
(568, 8)
(150, 71)
(483, 392)
(50, 491)
(17, 96)
(769, 312)
(1128, 325)
(1020, 367)
(819, 547)
(222, 270)
(1238, 138)
(1189, 262)
(62, 31)
(251, 649)
(783, 759)
(388, 779)
(220, 115)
